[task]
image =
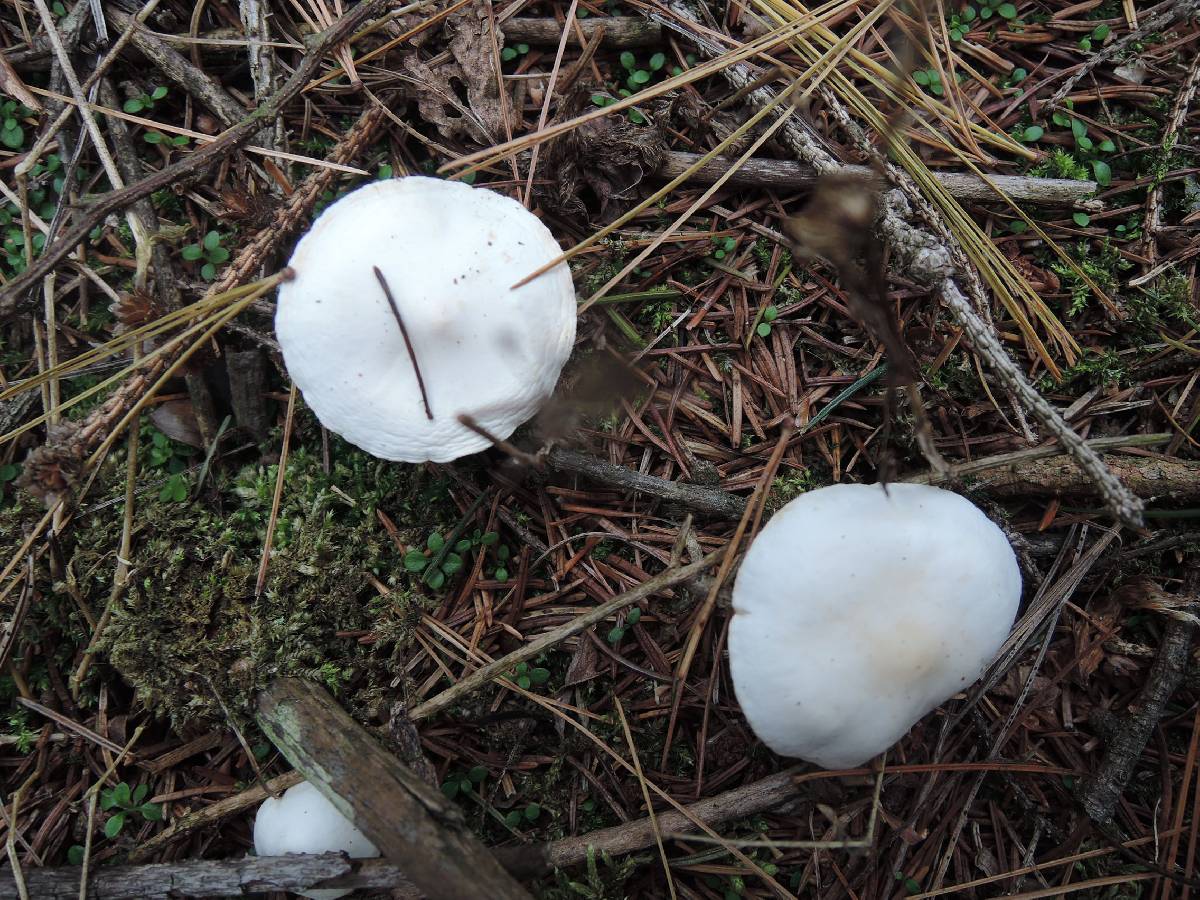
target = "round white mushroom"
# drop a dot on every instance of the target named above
(857, 611)
(304, 821)
(402, 316)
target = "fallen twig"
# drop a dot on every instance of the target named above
(786, 174)
(620, 32)
(237, 877)
(212, 814)
(712, 501)
(1099, 793)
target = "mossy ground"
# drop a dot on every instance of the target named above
(191, 635)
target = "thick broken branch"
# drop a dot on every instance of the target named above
(402, 815)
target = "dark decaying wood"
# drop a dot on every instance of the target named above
(247, 370)
(408, 820)
(1100, 792)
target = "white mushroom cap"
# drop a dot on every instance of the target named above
(303, 821)
(857, 611)
(450, 254)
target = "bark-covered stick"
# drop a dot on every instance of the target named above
(711, 501)
(1100, 792)
(620, 32)
(787, 174)
(409, 821)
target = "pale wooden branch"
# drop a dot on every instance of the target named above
(393, 806)
(210, 878)
(786, 174)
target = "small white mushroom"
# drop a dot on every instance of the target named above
(402, 316)
(303, 821)
(857, 611)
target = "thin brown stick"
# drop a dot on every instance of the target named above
(280, 476)
(412, 354)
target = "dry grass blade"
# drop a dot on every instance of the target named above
(277, 496)
(637, 765)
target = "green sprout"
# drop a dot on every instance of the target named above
(508, 54)
(211, 251)
(529, 814)
(439, 561)
(127, 802)
(725, 245)
(12, 135)
(135, 105)
(527, 677)
(463, 783)
(931, 80)
(1004, 10)
(960, 23)
(1099, 34)
(618, 631)
(769, 315)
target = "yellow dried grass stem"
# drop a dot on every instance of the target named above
(219, 308)
(129, 339)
